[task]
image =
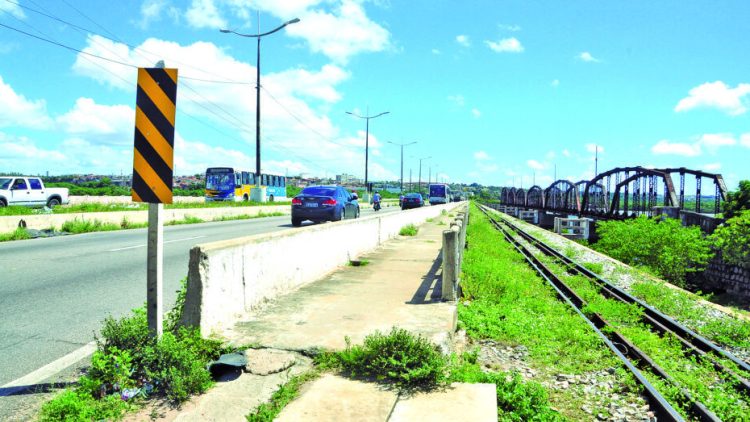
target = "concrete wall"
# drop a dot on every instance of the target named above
(45, 221)
(229, 278)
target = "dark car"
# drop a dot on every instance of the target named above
(323, 203)
(412, 200)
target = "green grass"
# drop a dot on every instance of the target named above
(260, 214)
(127, 358)
(135, 206)
(510, 304)
(359, 263)
(18, 234)
(85, 226)
(267, 412)
(409, 230)
(188, 219)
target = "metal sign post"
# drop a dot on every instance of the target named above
(153, 164)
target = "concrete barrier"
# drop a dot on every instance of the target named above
(227, 279)
(90, 199)
(45, 221)
(573, 228)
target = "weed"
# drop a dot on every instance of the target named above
(409, 230)
(399, 357)
(19, 234)
(359, 263)
(441, 223)
(570, 252)
(430, 220)
(594, 267)
(443, 212)
(267, 412)
(85, 226)
(185, 220)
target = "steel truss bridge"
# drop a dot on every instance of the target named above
(622, 192)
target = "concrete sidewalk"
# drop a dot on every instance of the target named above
(399, 286)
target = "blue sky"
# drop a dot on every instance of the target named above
(495, 92)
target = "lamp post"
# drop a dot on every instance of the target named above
(259, 193)
(367, 139)
(420, 172)
(402, 160)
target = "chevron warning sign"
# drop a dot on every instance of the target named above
(153, 154)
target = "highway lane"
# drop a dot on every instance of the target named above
(55, 292)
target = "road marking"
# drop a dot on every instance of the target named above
(47, 371)
(143, 246)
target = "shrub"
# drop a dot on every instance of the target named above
(408, 230)
(732, 239)
(400, 357)
(738, 200)
(661, 246)
(19, 234)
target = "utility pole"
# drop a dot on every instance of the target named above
(410, 185)
(596, 160)
(402, 161)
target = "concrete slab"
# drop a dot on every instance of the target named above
(460, 402)
(400, 286)
(333, 398)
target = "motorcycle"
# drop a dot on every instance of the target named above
(376, 205)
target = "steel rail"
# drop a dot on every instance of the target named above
(655, 398)
(663, 323)
(662, 408)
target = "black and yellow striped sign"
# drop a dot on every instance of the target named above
(153, 153)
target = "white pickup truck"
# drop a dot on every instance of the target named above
(30, 191)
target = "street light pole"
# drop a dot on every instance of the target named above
(257, 88)
(367, 139)
(402, 161)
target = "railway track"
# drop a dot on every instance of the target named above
(558, 266)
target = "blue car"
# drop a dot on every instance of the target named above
(323, 203)
(412, 200)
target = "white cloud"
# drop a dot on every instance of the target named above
(16, 110)
(506, 45)
(481, 156)
(712, 167)
(555, 83)
(745, 140)
(665, 147)
(204, 14)
(566, 153)
(309, 137)
(436, 52)
(323, 31)
(511, 28)
(536, 165)
(716, 140)
(457, 99)
(463, 40)
(587, 57)
(154, 11)
(716, 95)
(476, 113)
(108, 124)
(709, 141)
(13, 8)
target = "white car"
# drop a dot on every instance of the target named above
(30, 191)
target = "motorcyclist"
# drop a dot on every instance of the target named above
(376, 201)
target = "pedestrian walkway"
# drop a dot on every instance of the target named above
(399, 284)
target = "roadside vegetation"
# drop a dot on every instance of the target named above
(662, 247)
(77, 226)
(506, 302)
(130, 366)
(409, 230)
(406, 362)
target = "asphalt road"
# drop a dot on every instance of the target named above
(55, 292)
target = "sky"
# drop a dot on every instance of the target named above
(503, 93)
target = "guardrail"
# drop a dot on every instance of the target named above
(454, 243)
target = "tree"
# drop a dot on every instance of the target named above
(663, 247)
(732, 239)
(738, 200)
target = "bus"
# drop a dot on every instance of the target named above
(440, 193)
(228, 184)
